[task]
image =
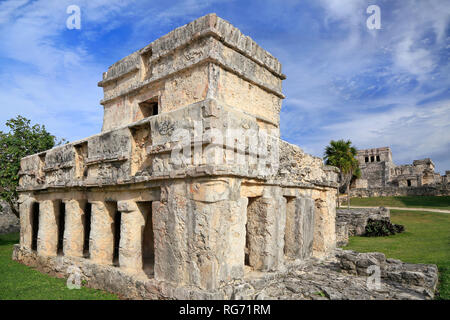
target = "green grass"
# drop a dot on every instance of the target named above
(409, 201)
(426, 240)
(19, 282)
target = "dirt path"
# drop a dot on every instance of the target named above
(408, 209)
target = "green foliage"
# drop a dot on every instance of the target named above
(342, 155)
(19, 282)
(426, 240)
(22, 140)
(382, 228)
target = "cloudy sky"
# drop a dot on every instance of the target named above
(386, 87)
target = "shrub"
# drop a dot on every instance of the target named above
(382, 228)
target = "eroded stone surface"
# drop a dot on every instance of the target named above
(334, 278)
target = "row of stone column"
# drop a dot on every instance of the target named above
(101, 237)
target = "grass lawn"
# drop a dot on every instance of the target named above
(19, 282)
(410, 201)
(426, 240)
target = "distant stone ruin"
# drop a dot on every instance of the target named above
(380, 176)
(189, 192)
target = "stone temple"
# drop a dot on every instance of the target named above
(380, 176)
(157, 206)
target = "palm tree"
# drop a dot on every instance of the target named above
(342, 155)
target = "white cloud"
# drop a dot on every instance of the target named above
(415, 61)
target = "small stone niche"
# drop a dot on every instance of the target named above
(141, 163)
(41, 173)
(145, 65)
(81, 155)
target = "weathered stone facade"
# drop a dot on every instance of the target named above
(381, 177)
(165, 203)
(125, 202)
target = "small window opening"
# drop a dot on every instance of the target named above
(409, 183)
(34, 225)
(372, 159)
(378, 158)
(367, 159)
(149, 108)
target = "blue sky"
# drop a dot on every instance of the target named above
(387, 87)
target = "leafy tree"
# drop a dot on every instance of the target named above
(342, 155)
(22, 140)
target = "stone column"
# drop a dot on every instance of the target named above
(266, 221)
(308, 228)
(131, 236)
(299, 231)
(199, 230)
(26, 227)
(48, 228)
(101, 239)
(324, 222)
(74, 229)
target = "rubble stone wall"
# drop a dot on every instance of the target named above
(352, 222)
(439, 190)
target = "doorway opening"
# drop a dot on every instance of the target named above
(116, 229)
(34, 217)
(87, 229)
(61, 226)
(148, 242)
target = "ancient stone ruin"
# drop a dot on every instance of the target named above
(123, 198)
(380, 176)
(189, 192)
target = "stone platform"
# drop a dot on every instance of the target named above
(342, 275)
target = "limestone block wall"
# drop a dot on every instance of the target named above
(200, 233)
(299, 232)
(207, 58)
(324, 222)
